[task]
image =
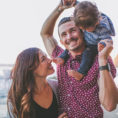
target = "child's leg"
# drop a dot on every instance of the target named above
(87, 59)
(64, 55)
(62, 58)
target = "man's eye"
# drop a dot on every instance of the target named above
(64, 34)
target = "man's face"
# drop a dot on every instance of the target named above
(70, 36)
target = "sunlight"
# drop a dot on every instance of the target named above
(21, 22)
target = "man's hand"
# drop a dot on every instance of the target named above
(65, 4)
(105, 52)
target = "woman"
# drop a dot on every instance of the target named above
(30, 95)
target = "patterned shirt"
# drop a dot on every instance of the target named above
(104, 30)
(79, 99)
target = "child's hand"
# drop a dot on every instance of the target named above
(58, 60)
(101, 45)
(75, 74)
(63, 115)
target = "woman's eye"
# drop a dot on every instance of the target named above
(43, 59)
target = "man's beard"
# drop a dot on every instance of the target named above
(76, 48)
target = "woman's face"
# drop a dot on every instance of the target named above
(45, 67)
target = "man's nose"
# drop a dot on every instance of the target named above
(69, 36)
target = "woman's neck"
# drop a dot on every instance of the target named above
(40, 85)
(43, 94)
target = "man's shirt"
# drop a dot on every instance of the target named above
(79, 99)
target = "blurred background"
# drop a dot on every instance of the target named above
(20, 26)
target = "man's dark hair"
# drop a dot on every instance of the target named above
(64, 20)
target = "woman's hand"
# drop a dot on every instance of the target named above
(63, 115)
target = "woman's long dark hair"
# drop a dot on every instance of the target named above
(20, 93)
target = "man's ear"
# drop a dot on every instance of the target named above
(61, 41)
(98, 22)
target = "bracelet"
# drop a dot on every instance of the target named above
(59, 10)
(106, 67)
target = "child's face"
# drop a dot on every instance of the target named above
(89, 29)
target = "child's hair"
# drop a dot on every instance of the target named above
(86, 14)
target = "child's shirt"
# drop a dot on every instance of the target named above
(104, 30)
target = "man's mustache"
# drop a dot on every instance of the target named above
(72, 39)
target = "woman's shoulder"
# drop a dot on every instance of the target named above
(54, 84)
(10, 107)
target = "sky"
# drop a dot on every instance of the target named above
(21, 22)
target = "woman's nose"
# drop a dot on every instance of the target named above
(49, 60)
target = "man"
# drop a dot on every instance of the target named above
(80, 99)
